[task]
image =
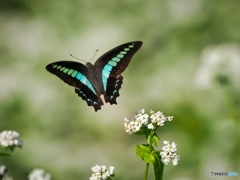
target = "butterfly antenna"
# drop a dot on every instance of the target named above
(94, 55)
(77, 58)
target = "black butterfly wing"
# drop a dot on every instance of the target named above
(77, 75)
(111, 65)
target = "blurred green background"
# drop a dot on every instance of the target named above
(188, 67)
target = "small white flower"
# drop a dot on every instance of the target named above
(141, 111)
(39, 174)
(132, 126)
(150, 126)
(158, 118)
(3, 170)
(169, 118)
(169, 153)
(10, 139)
(102, 172)
(175, 159)
(111, 169)
(151, 120)
(93, 177)
(141, 117)
(135, 123)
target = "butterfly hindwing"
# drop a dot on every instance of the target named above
(112, 64)
(89, 97)
(77, 75)
(114, 84)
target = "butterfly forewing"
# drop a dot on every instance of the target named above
(112, 64)
(70, 72)
(117, 59)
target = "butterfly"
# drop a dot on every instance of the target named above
(101, 78)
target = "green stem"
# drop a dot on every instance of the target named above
(146, 171)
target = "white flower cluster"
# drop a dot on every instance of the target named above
(169, 153)
(151, 120)
(3, 170)
(223, 59)
(102, 172)
(10, 139)
(39, 174)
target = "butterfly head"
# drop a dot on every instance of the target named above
(90, 66)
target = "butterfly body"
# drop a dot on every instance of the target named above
(101, 78)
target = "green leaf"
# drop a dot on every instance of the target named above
(155, 139)
(158, 166)
(150, 136)
(145, 152)
(4, 154)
